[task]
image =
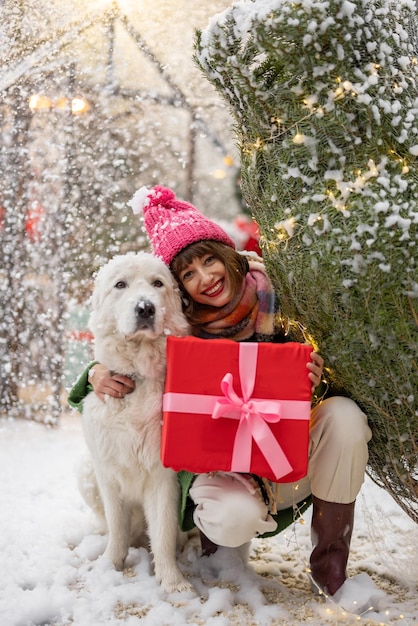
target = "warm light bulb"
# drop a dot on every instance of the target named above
(79, 105)
(61, 103)
(38, 102)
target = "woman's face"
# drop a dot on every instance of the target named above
(206, 281)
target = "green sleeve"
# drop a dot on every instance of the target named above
(80, 389)
(187, 505)
(287, 517)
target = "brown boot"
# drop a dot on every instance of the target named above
(332, 526)
(208, 547)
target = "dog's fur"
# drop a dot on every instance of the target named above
(135, 305)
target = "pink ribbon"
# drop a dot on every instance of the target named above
(253, 417)
(253, 414)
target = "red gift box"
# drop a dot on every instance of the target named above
(237, 406)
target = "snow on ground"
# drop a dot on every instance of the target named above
(51, 573)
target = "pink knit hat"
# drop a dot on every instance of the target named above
(173, 224)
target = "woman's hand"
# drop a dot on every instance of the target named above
(105, 383)
(315, 367)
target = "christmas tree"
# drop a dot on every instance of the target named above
(325, 102)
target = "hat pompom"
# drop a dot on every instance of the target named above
(162, 196)
(139, 200)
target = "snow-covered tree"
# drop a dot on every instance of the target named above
(325, 100)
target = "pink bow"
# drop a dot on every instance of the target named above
(253, 415)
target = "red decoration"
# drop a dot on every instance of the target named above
(33, 221)
(252, 232)
(233, 406)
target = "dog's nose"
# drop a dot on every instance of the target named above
(145, 310)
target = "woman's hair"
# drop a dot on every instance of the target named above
(236, 266)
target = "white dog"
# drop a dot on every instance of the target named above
(136, 304)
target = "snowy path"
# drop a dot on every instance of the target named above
(50, 573)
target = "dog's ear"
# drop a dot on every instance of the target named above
(92, 322)
(97, 300)
(100, 287)
(176, 320)
(97, 297)
(178, 325)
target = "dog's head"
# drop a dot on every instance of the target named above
(136, 295)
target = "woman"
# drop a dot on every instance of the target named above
(226, 294)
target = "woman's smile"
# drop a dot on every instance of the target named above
(215, 290)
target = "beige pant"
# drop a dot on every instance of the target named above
(338, 454)
(338, 457)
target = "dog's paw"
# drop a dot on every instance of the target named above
(117, 559)
(184, 586)
(174, 582)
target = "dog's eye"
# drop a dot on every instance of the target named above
(158, 283)
(121, 284)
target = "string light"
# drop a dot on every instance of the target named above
(286, 228)
(79, 105)
(252, 147)
(40, 102)
(282, 235)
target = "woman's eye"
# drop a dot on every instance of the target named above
(158, 284)
(121, 284)
(209, 260)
